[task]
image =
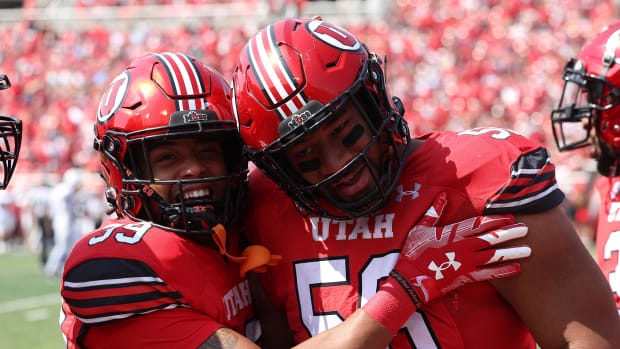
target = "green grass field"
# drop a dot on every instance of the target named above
(29, 304)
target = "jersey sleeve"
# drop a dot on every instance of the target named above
(105, 289)
(174, 328)
(530, 188)
(498, 170)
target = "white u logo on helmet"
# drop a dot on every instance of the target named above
(113, 97)
(333, 35)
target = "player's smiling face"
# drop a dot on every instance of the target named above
(188, 158)
(326, 150)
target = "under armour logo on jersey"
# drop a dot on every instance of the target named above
(443, 266)
(400, 193)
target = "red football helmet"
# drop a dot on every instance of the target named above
(591, 95)
(10, 141)
(292, 77)
(157, 98)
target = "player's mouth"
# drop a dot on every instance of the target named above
(199, 194)
(354, 182)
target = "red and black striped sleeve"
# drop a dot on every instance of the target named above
(531, 188)
(104, 289)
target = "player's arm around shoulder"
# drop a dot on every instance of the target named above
(560, 293)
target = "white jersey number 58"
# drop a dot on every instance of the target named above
(334, 271)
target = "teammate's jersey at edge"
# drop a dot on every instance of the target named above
(128, 268)
(331, 268)
(608, 232)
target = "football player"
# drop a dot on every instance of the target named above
(313, 107)
(588, 115)
(10, 141)
(171, 157)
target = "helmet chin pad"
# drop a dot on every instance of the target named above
(185, 217)
(190, 217)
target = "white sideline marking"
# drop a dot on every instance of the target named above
(38, 314)
(29, 303)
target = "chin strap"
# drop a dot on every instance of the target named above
(253, 258)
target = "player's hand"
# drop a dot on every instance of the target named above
(436, 260)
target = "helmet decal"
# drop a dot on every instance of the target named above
(113, 97)
(299, 117)
(333, 35)
(184, 79)
(611, 46)
(273, 74)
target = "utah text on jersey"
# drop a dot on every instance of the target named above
(371, 227)
(237, 298)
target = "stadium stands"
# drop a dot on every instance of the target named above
(455, 64)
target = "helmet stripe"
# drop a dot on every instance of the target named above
(267, 61)
(281, 62)
(300, 99)
(173, 82)
(259, 76)
(184, 79)
(186, 86)
(198, 79)
(261, 51)
(180, 78)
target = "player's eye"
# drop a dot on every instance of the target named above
(208, 150)
(309, 165)
(162, 156)
(340, 128)
(305, 151)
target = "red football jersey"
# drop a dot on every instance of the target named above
(608, 232)
(332, 267)
(145, 278)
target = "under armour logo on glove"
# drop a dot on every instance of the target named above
(445, 265)
(474, 240)
(398, 196)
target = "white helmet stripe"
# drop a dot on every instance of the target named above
(171, 76)
(256, 68)
(292, 106)
(267, 59)
(181, 78)
(268, 66)
(197, 78)
(284, 69)
(187, 83)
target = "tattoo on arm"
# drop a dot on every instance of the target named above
(223, 338)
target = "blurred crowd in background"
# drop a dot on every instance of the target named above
(455, 64)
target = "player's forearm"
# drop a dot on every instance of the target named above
(360, 330)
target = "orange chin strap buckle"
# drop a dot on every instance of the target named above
(255, 257)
